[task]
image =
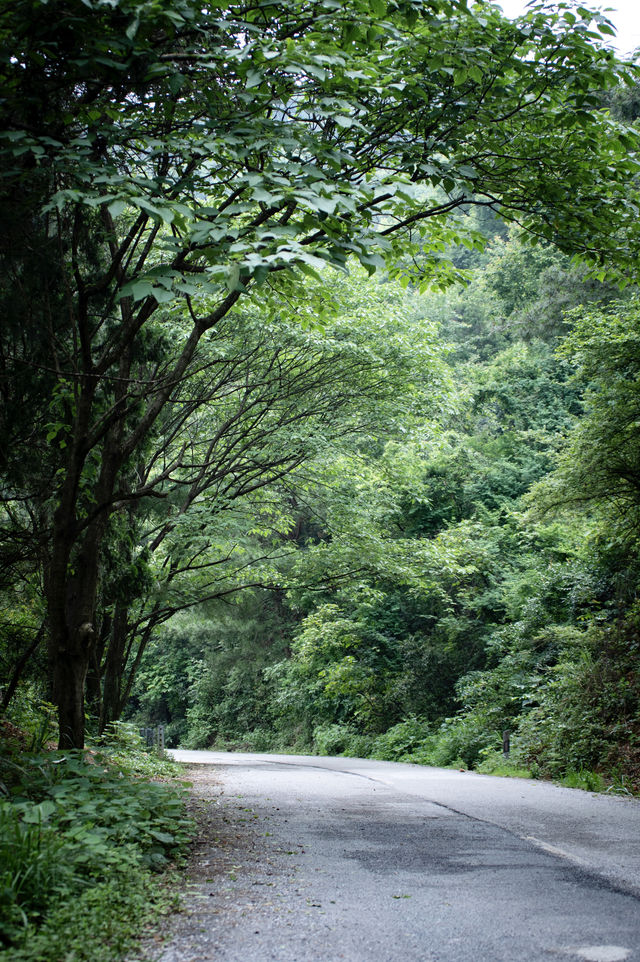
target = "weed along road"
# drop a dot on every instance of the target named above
(324, 859)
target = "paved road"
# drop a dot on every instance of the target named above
(368, 861)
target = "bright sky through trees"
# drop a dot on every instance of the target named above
(624, 14)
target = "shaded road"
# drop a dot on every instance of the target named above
(365, 861)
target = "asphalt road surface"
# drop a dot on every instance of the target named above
(312, 859)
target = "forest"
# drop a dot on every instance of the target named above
(457, 561)
(320, 384)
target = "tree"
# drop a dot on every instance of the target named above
(270, 399)
(600, 464)
(163, 160)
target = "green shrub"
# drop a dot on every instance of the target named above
(493, 762)
(586, 780)
(341, 740)
(563, 733)
(258, 740)
(80, 831)
(359, 746)
(404, 741)
(34, 717)
(460, 741)
(123, 747)
(331, 739)
(587, 716)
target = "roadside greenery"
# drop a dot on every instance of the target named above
(86, 840)
(475, 574)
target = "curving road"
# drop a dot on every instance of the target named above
(331, 859)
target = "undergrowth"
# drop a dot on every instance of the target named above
(86, 839)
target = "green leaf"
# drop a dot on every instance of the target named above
(137, 290)
(264, 196)
(326, 204)
(117, 207)
(233, 277)
(254, 78)
(163, 837)
(37, 814)
(132, 29)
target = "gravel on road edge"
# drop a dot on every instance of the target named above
(229, 868)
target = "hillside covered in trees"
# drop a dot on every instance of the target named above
(462, 564)
(320, 378)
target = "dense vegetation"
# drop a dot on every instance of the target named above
(84, 844)
(319, 406)
(174, 178)
(468, 570)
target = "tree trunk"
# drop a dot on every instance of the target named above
(96, 669)
(71, 589)
(70, 664)
(114, 667)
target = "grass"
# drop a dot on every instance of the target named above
(586, 780)
(100, 924)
